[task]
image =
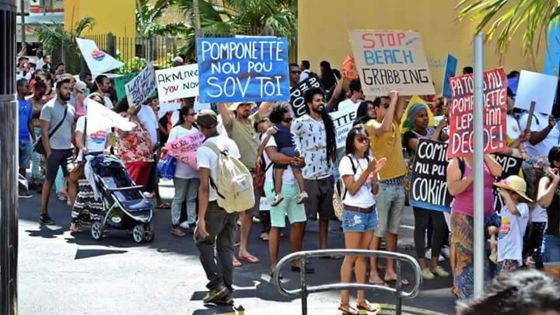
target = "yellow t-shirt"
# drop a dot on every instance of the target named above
(246, 138)
(387, 145)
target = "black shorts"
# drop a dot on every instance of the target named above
(54, 161)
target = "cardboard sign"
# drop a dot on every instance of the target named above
(537, 87)
(391, 60)
(120, 82)
(139, 89)
(343, 120)
(510, 166)
(296, 95)
(461, 132)
(349, 71)
(450, 70)
(428, 186)
(177, 82)
(97, 60)
(184, 149)
(251, 69)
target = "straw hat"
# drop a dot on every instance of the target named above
(515, 184)
(233, 107)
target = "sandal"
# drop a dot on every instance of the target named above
(74, 228)
(164, 205)
(236, 263)
(368, 307)
(249, 258)
(346, 309)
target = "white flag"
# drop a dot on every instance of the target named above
(98, 61)
(100, 117)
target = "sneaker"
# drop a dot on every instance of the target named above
(46, 220)
(427, 274)
(445, 252)
(302, 197)
(277, 199)
(428, 255)
(176, 231)
(185, 225)
(24, 194)
(216, 295)
(264, 236)
(227, 299)
(440, 272)
(148, 195)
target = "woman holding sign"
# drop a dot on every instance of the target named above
(460, 185)
(417, 123)
(359, 217)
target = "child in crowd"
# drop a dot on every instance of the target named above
(285, 144)
(514, 220)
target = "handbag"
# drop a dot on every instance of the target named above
(260, 178)
(166, 166)
(38, 146)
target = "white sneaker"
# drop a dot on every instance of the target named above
(427, 274)
(302, 197)
(428, 255)
(445, 252)
(440, 272)
(185, 225)
(277, 199)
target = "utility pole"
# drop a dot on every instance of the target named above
(8, 160)
(22, 12)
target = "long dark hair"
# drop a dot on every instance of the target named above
(327, 120)
(328, 78)
(98, 81)
(362, 113)
(183, 112)
(350, 148)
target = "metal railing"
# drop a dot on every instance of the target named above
(304, 290)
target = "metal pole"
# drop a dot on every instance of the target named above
(478, 166)
(303, 284)
(8, 160)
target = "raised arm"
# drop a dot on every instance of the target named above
(226, 115)
(331, 104)
(547, 188)
(387, 122)
(494, 167)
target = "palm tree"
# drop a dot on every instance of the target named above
(505, 18)
(243, 17)
(147, 16)
(62, 44)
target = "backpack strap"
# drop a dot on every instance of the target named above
(215, 149)
(353, 171)
(461, 166)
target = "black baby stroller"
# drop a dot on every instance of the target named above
(125, 207)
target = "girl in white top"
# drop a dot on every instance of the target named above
(359, 218)
(186, 178)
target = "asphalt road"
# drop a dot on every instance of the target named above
(59, 273)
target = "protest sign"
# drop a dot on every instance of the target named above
(510, 166)
(391, 60)
(120, 82)
(184, 149)
(97, 60)
(461, 132)
(537, 87)
(450, 70)
(251, 69)
(428, 185)
(406, 124)
(177, 82)
(349, 71)
(343, 120)
(168, 106)
(297, 92)
(139, 89)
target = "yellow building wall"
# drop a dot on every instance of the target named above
(323, 27)
(111, 16)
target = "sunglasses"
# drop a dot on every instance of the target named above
(362, 139)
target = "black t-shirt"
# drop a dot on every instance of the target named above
(411, 134)
(553, 212)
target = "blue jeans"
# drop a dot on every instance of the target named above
(551, 249)
(354, 221)
(184, 189)
(36, 159)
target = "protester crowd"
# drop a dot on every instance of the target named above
(295, 165)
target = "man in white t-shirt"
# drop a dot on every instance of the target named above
(356, 95)
(544, 134)
(215, 229)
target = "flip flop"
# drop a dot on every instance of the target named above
(368, 307)
(403, 281)
(164, 205)
(348, 310)
(382, 283)
(249, 258)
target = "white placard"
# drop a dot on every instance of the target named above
(139, 89)
(343, 120)
(177, 82)
(538, 87)
(168, 106)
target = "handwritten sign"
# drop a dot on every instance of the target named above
(461, 132)
(510, 166)
(428, 186)
(450, 70)
(139, 89)
(177, 82)
(184, 149)
(343, 120)
(296, 95)
(250, 69)
(391, 60)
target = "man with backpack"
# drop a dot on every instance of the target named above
(218, 164)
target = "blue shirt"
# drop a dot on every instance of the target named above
(25, 114)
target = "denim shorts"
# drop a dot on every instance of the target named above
(354, 221)
(551, 249)
(25, 150)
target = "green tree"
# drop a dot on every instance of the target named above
(242, 17)
(503, 18)
(61, 44)
(147, 16)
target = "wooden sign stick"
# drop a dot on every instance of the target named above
(531, 113)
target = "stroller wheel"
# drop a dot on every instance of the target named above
(149, 233)
(138, 233)
(96, 230)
